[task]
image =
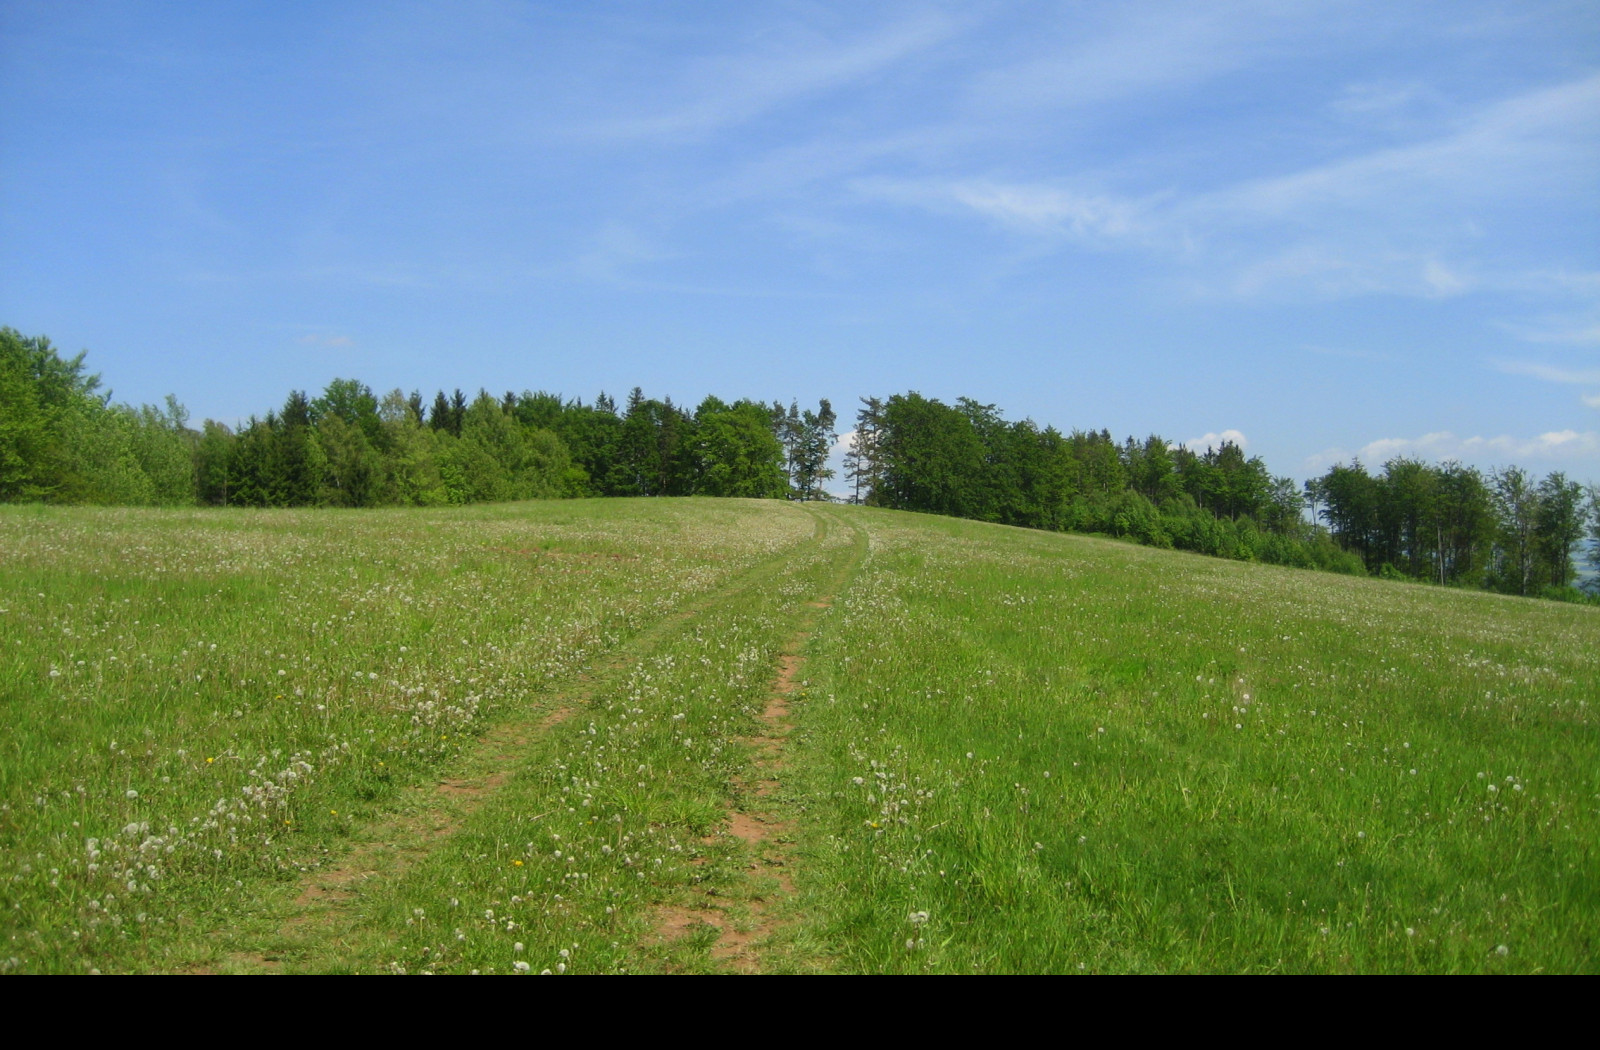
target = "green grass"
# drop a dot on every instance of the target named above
(224, 736)
(1073, 755)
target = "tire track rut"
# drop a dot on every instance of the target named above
(755, 818)
(321, 909)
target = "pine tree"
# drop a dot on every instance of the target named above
(861, 462)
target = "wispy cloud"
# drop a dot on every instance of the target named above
(1395, 220)
(615, 249)
(1387, 103)
(1581, 333)
(1551, 373)
(1346, 352)
(1134, 50)
(1543, 137)
(1045, 210)
(732, 89)
(332, 341)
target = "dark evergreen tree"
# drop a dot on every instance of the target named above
(815, 439)
(297, 462)
(439, 416)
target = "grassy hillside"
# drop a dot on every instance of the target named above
(709, 735)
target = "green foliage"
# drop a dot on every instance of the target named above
(970, 462)
(1559, 529)
(353, 476)
(814, 442)
(214, 464)
(932, 457)
(43, 399)
(62, 442)
(736, 452)
(414, 477)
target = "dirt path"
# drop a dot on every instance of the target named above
(744, 934)
(319, 913)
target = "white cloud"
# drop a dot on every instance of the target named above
(1215, 440)
(1592, 400)
(1556, 446)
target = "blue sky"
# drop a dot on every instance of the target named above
(1329, 229)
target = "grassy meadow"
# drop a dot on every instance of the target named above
(722, 735)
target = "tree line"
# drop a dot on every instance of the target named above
(63, 440)
(1449, 524)
(1452, 524)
